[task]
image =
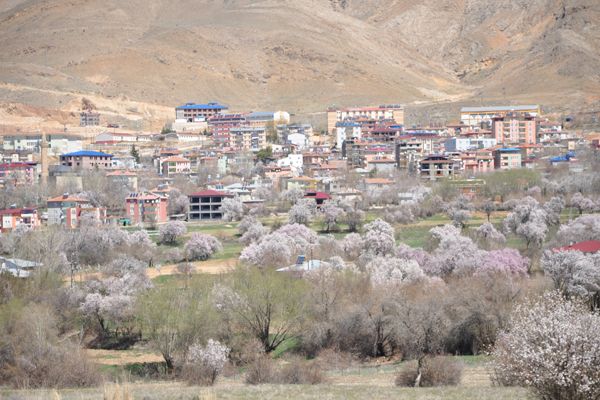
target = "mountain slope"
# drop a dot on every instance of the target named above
(141, 58)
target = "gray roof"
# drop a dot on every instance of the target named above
(500, 108)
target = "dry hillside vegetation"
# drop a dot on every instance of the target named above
(139, 58)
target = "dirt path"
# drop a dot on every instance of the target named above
(203, 267)
(200, 267)
(121, 357)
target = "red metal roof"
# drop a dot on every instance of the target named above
(589, 246)
(317, 195)
(209, 193)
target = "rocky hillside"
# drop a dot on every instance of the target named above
(141, 58)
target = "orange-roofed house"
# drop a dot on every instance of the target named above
(175, 165)
(146, 207)
(69, 210)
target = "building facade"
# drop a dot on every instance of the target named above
(14, 217)
(507, 158)
(86, 159)
(193, 112)
(436, 167)
(515, 129)
(175, 165)
(482, 116)
(394, 112)
(146, 208)
(206, 205)
(89, 118)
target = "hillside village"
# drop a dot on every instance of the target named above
(251, 156)
(252, 252)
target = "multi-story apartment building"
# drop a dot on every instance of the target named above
(86, 159)
(476, 162)
(220, 126)
(345, 130)
(507, 158)
(146, 207)
(89, 118)
(482, 116)
(206, 205)
(394, 112)
(193, 112)
(436, 167)
(248, 138)
(514, 129)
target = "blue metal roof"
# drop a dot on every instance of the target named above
(261, 115)
(510, 150)
(207, 106)
(87, 153)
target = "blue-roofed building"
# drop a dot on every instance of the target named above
(86, 159)
(193, 112)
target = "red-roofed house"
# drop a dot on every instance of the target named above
(320, 197)
(13, 217)
(206, 204)
(146, 208)
(589, 246)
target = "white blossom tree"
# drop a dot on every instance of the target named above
(586, 227)
(253, 233)
(553, 348)
(582, 203)
(392, 271)
(332, 214)
(232, 209)
(488, 236)
(504, 261)
(280, 247)
(171, 231)
(201, 247)
(379, 237)
(574, 274)
(178, 202)
(453, 253)
(553, 208)
(302, 212)
(529, 221)
(209, 359)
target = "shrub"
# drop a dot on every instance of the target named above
(205, 363)
(299, 372)
(436, 371)
(260, 371)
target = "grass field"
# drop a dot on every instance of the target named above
(178, 391)
(358, 381)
